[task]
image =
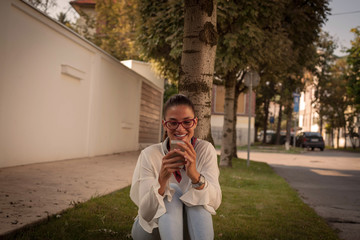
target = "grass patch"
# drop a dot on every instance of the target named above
(257, 204)
(272, 148)
(268, 148)
(107, 217)
(348, 149)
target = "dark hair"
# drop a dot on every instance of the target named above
(176, 100)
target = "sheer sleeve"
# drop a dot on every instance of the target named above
(144, 190)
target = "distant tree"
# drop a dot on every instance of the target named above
(42, 5)
(353, 85)
(265, 92)
(116, 28)
(303, 23)
(249, 37)
(170, 88)
(301, 18)
(352, 129)
(353, 61)
(325, 60)
(335, 101)
(161, 29)
(339, 97)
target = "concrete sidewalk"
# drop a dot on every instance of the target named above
(30, 193)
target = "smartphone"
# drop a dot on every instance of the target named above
(174, 145)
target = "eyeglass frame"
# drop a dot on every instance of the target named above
(192, 119)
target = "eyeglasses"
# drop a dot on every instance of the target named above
(188, 123)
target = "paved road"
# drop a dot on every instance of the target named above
(328, 181)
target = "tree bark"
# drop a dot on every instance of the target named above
(228, 127)
(233, 143)
(266, 111)
(278, 127)
(238, 90)
(338, 138)
(288, 111)
(197, 60)
(288, 127)
(321, 124)
(255, 133)
(345, 135)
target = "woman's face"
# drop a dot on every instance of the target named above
(180, 113)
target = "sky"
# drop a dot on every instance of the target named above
(345, 15)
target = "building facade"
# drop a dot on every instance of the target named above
(217, 117)
(62, 97)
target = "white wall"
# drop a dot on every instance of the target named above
(61, 97)
(117, 109)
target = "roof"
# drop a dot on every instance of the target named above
(79, 4)
(82, 2)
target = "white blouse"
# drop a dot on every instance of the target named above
(145, 185)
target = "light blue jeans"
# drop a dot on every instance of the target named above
(198, 222)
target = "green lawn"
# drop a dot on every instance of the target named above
(271, 148)
(348, 149)
(257, 204)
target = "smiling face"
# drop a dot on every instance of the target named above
(180, 113)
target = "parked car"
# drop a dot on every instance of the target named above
(310, 140)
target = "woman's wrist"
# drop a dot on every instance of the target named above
(161, 190)
(195, 178)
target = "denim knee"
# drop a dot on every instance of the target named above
(178, 193)
(200, 223)
(138, 233)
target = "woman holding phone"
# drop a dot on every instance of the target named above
(176, 183)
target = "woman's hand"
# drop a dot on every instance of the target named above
(171, 162)
(189, 155)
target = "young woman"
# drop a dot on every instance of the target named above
(176, 190)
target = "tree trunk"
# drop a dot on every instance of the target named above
(288, 125)
(234, 145)
(352, 140)
(345, 136)
(197, 60)
(255, 134)
(228, 127)
(278, 127)
(338, 138)
(266, 111)
(238, 90)
(321, 124)
(332, 138)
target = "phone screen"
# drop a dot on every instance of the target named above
(174, 145)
